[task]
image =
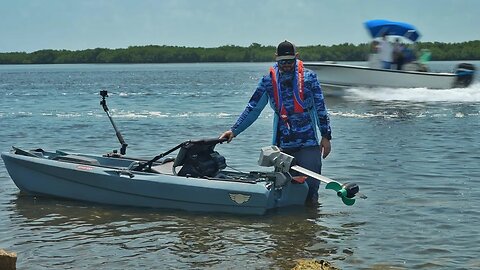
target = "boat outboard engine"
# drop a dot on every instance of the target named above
(465, 73)
(198, 159)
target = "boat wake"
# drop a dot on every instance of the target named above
(470, 94)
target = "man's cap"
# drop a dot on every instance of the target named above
(286, 51)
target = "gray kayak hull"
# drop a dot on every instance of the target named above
(116, 185)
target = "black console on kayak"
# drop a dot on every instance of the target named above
(198, 159)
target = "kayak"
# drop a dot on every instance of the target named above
(115, 180)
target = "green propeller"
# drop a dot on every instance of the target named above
(346, 191)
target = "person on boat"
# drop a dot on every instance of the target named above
(398, 57)
(373, 58)
(385, 52)
(296, 97)
(408, 55)
(423, 60)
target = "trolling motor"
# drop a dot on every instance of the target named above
(283, 163)
(103, 102)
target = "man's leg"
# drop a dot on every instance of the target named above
(310, 158)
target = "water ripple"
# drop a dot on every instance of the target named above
(413, 152)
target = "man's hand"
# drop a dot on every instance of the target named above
(325, 147)
(228, 135)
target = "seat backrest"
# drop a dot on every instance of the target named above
(198, 159)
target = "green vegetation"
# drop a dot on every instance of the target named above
(254, 53)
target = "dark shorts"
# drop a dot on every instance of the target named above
(309, 158)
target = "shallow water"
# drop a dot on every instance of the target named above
(414, 152)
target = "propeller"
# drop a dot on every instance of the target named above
(346, 191)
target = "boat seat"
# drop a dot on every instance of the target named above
(77, 159)
(165, 168)
(31, 153)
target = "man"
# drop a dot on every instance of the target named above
(295, 95)
(398, 57)
(385, 52)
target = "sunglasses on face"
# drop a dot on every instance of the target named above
(286, 62)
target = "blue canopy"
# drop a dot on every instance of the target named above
(379, 27)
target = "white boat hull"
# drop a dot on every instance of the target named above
(346, 76)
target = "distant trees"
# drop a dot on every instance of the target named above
(341, 52)
(453, 51)
(229, 53)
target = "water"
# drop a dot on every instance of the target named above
(414, 152)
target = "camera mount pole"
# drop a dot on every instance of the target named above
(103, 102)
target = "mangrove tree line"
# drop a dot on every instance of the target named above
(254, 53)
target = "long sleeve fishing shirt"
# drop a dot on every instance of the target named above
(298, 129)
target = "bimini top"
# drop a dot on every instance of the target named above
(379, 27)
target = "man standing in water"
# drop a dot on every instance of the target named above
(296, 97)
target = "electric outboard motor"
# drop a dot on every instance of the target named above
(465, 73)
(198, 159)
(348, 190)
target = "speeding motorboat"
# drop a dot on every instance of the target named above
(334, 75)
(413, 75)
(195, 179)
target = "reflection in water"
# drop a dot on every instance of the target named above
(143, 237)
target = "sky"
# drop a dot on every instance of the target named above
(31, 25)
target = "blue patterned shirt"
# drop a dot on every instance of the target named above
(301, 130)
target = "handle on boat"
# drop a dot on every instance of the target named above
(209, 141)
(103, 102)
(149, 163)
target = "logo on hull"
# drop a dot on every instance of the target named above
(239, 198)
(84, 168)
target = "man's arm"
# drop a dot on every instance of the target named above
(319, 105)
(321, 113)
(255, 105)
